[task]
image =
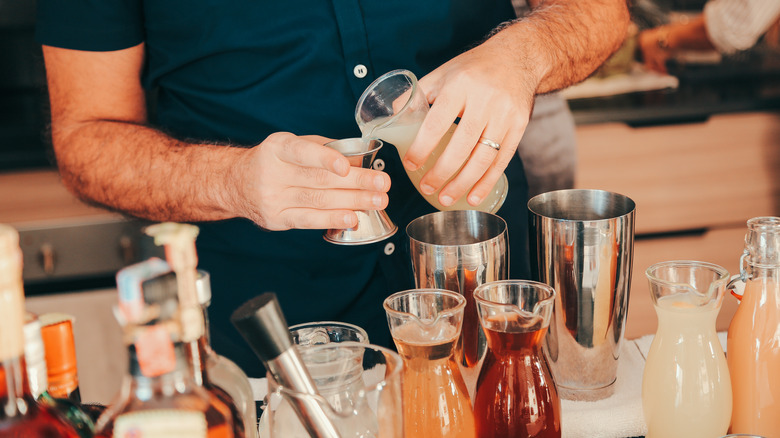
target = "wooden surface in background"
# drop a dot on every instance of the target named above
(703, 180)
(688, 176)
(38, 195)
(721, 247)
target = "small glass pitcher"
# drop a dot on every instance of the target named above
(359, 390)
(392, 108)
(306, 335)
(516, 393)
(686, 388)
(426, 324)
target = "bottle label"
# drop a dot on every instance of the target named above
(167, 423)
(129, 279)
(155, 352)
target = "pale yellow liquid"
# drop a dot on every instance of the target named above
(402, 136)
(686, 389)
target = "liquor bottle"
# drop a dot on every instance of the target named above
(60, 349)
(216, 373)
(225, 376)
(37, 376)
(21, 416)
(161, 397)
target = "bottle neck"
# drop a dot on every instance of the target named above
(14, 390)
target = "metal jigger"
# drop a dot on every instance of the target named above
(373, 225)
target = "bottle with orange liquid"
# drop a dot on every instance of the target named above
(516, 395)
(217, 374)
(162, 395)
(21, 416)
(753, 344)
(426, 324)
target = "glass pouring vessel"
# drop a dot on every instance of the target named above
(393, 108)
(686, 388)
(516, 393)
(426, 324)
(359, 390)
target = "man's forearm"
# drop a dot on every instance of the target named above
(564, 41)
(142, 172)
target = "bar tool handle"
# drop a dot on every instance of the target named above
(261, 323)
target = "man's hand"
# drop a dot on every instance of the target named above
(653, 43)
(493, 102)
(491, 88)
(295, 182)
(108, 155)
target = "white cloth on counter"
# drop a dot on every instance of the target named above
(617, 416)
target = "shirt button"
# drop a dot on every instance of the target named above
(389, 248)
(379, 164)
(360, 71)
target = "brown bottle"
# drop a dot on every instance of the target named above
(163, 395)
(181, 254)
(21, 416)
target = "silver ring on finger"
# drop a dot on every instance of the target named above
(490, 143)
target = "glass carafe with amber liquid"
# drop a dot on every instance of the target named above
(426, 324)
(392, 109)
(516, 394)
(686, 389)
(161, 396)
(754, 333)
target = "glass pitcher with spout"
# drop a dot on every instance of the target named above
(754, 334)
(686, 388)
(392, 109)
(516, 393)
(426, 324)
(305, 335)
(359, 390)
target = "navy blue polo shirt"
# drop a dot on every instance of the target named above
(235, 71)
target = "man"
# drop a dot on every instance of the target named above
(260, 75)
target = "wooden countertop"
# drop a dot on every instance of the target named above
(39, 196)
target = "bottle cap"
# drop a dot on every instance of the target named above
(60, 348)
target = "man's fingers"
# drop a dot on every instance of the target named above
(439, 119)
(312, 219)
(485, 185)
(356, 179)
(335, 199)
(307, 152)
